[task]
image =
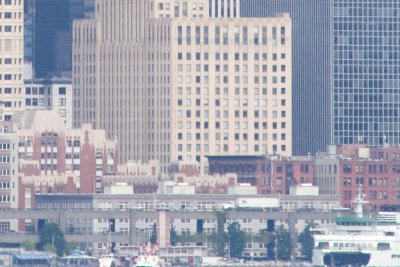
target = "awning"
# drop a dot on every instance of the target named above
(31, 257)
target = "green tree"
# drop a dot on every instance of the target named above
(221, 235)
(236, 240)
(51, 234)
(153, 236)
(28, 244)
(173, 236)
(279, 245)
(306, 240)
(284, 244)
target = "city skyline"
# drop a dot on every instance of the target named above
(201, 125)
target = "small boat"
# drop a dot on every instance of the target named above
(108, 260)
(149, 256)
(79, 260)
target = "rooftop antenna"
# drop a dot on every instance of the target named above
(359, 200)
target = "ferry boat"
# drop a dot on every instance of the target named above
(359, 241)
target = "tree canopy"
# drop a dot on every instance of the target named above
(173, 236)
(236, 239)
(279, 245)
(221, 235)
(306, 240)
(153, 236)
(28, 244)
(51, 235)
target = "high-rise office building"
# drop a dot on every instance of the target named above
(366, 72)
(179, 80)
(11, 56)
(48, 34)
(311, 76)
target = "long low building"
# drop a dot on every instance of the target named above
(134, 215)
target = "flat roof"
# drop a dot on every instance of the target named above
(355, 220)
(236, 156)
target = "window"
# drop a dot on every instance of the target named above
(179, 35)
(62, 102)
(62, 90)
(7, 28)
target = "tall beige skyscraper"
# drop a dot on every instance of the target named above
(11, 56)
(179, 79)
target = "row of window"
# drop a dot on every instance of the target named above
(9, 77)
(9, 28)
(225, 91)
(10, 2)
(5, 198)
(5, 172)
(238, 137)
(4, 159)
(221, 35)
(8, 15)
(225, 148)
(4, 185)
(224, 125)
(4, 226)
(5, 146)
(41, 90)
(8, 90)
(225, 56)
(236, 102)
(225, 79)
(225, 113)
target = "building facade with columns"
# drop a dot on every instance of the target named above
(179, 80)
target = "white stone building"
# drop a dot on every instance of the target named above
(11, 56)
(179, 80)
(8, 170)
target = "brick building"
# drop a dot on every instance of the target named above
(56, 159)
(339, 171)
(271, 174)
(345, 168)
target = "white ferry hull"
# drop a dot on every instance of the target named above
(385, 258)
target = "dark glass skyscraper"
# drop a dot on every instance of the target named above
(49, 33)
(366, 72)
(311, 80)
